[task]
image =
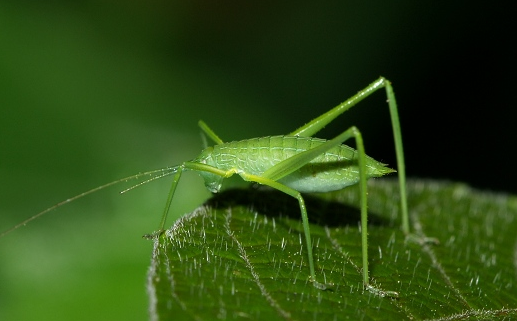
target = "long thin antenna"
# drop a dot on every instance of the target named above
(163, 172)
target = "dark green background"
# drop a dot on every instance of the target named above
(91, 91)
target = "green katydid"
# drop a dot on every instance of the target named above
(293, 164)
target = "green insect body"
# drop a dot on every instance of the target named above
(333, 170)
(294, 163)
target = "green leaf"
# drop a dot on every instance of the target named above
(242, 256)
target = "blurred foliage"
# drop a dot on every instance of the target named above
(96, 90)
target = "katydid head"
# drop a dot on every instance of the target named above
(213, 182)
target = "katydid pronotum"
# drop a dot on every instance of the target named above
(293, 164)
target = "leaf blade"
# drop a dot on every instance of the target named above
(243, 261)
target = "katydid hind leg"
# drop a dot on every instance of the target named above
(399, 152)
(318, 123)
(401, 169)
(353, 131)
(293, 163)
(286, 167)
(210, 133)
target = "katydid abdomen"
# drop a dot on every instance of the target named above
(333, 170)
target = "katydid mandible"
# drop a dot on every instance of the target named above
(295, 163)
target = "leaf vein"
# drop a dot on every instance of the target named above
(286, 315)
